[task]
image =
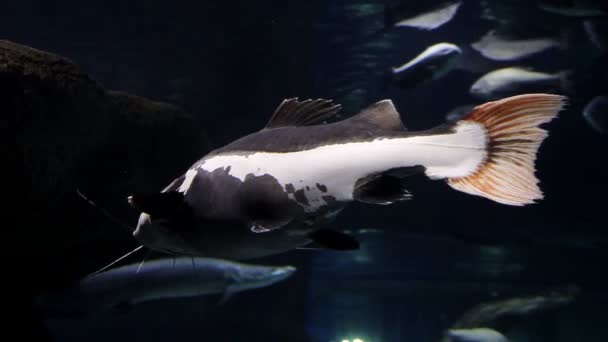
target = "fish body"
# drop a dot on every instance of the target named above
(491, 313)
(503, 47)
(575, 8)
(476, 335)
(160, 279)
(516, 80)
(282, 187)
(431, 64)
(425, 19)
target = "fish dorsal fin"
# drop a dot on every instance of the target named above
(381, 114)
(292, 112)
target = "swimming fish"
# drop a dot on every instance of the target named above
(517, 80)
(575, 8)
(596, 113)
(282, 187)
(122, 287)
(431, 64)
(426, 19)
(508, 47)
(476, 335)
(488, 313)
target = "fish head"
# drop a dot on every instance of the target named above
(445, 49)
(257, 276)
(158, 235)
(481, 89)
(476, 335)
(442, 58)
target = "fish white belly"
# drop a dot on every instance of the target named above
(333, 170)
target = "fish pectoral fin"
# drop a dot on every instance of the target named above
(334, 240)
(382, 189)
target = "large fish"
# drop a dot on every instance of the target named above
(125, 286)
(281, 187)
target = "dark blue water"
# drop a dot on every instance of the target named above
(422, 263)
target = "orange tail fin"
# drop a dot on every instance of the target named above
(513, 137)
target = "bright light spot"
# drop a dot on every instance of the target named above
(358, 340)
(345, 341)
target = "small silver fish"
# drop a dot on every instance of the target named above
(427, 20)
(431, 64)
(596, 113)
(506, 47)
(514, 80)
(476, 335)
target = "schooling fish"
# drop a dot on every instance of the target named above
(122, 287)
(575, 8)
(476, 335)
(281, 188)
(488, 313)
(431, 64)
(500, 46)
(517, 80)
(423, 19)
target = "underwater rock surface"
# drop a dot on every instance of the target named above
(64, 131)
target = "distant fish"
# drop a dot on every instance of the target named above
(486, 314)
(575, 8)
(122, 287)
(431, 64)
(597, 31)
(459, 112)
(476, 335)
(506, 47)
(427, 19)
(596, 113)
(517, 80)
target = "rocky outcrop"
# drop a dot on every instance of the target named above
(63, 131)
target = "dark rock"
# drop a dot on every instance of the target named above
(63, 131)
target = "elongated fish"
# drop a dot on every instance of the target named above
(124, 286)
(428, 19)
(517, 80)
(282, 187)
(575, 8)
(431, 64)
(476, 335)
(501, 46)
